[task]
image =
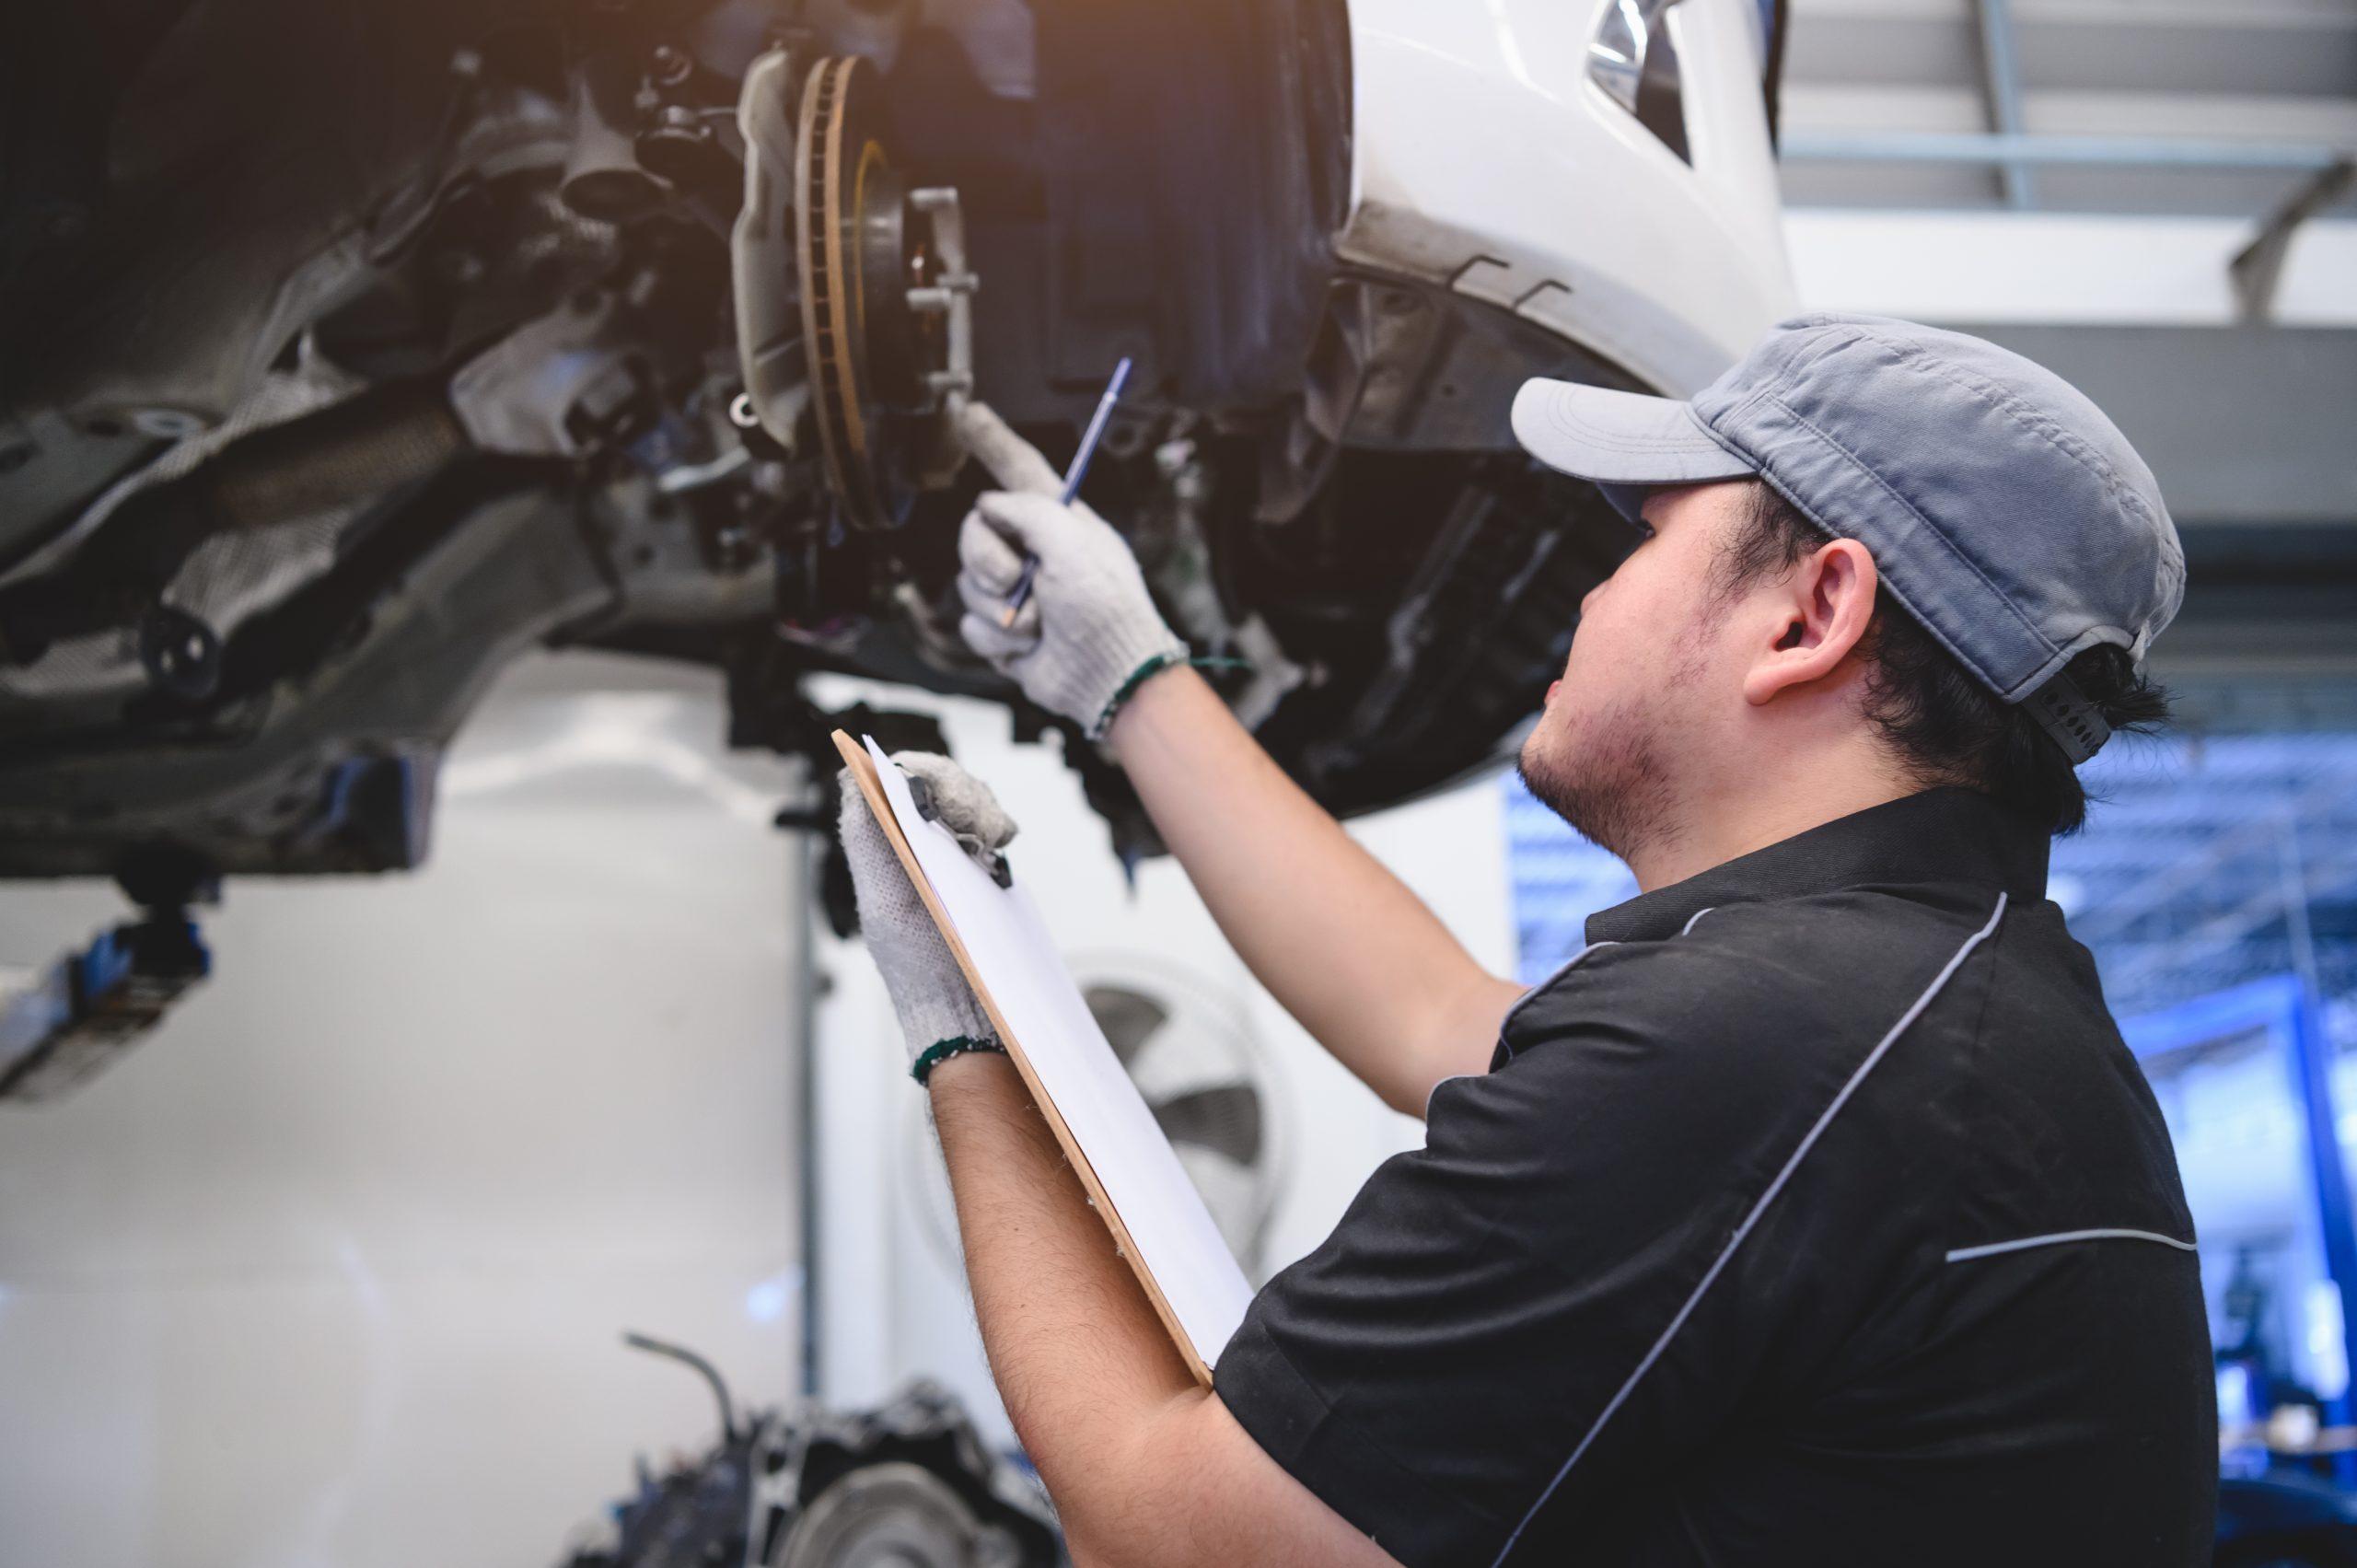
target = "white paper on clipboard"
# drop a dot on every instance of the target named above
(1004, 935)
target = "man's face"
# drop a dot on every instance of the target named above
(1640, 687)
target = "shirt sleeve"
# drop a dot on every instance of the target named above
(1513, 1316)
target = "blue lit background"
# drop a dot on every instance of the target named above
(2183, 883)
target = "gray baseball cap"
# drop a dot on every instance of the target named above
(2003, 510)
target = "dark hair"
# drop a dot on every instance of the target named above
(1944, 726)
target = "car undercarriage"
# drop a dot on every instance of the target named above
(293, 464)
(348, 352)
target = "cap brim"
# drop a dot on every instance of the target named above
(1624, 441)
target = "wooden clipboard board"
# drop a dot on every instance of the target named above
(862, 773)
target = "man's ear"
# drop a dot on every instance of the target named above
(1825, 606)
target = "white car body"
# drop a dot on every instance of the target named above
(1486, 157)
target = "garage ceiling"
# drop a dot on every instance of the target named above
(2252, 75)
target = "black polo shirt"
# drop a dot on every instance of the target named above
(1813, 1213)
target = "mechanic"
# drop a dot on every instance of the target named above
(1814, 1211)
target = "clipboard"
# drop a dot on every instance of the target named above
(1133, 1178)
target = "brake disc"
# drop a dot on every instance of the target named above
(857, 263)
(895, 1514)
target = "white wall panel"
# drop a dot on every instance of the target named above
(2053, 267)
(330, 1270)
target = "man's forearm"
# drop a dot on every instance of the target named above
(1073, 1344)
(1337, 939)
(1147, 1471)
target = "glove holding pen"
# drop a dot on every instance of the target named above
(1088, 635)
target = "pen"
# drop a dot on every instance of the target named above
(1073, 476)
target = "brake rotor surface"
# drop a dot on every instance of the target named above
(850, 212)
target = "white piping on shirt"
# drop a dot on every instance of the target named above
(1991, 1249)
(1561, 970)
(1528, 996)
(1947, 971)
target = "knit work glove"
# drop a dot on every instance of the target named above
(929, 991)
(1089, 634)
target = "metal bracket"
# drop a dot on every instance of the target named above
(2258, 267)
(2001, 80)
(950, 295)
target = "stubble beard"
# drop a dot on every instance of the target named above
(1611, 786)
(1616, 785)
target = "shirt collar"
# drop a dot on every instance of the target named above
(1940, 835)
